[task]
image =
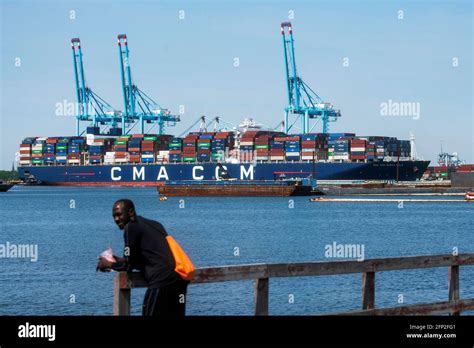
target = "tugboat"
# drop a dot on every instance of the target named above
(30, 180)
(4, 186)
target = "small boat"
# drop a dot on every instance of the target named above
(4, 187)
(469, 196)
(163, 198)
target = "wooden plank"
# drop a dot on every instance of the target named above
(435, 308)
(121, 295)
(230, 273)
(372, 265)
(261, 296)
(255, 271)
(368, 290)
(453, 279)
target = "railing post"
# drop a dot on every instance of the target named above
(453, 278)
(122, 294)
(368, 290)
(261, 296)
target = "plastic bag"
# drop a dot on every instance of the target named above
(108, 255)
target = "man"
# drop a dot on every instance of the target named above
(147, 250)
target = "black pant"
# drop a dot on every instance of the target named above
(166, 301)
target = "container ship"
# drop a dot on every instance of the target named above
(252, 154)
(246, 153)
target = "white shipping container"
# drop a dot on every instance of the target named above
(308, 150)
(73, 161)
(147, 156)
(277, 158)
(357, 149)
(164, 153)
(340, 157)
(121, 160)
(246, 143)
(61, 158)
(293, 154)
(25, 162)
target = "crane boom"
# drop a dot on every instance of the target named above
(137, 104)
(302, 100)
(91, 107)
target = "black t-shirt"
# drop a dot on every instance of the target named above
(147, 250)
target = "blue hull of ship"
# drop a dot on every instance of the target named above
(152, 174)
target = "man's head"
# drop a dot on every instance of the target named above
(123, 211)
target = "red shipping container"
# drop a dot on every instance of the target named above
(440, 169)
(465, 168)
(25, 146)
(360, 157)
(308, 144)
(175, 152)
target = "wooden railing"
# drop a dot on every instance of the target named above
(124, 282)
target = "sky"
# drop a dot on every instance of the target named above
(364, 57)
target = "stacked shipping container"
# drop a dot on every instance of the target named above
(209, 147)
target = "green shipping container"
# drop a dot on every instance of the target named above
(119, 142)
(261, 146)
(150, 138)
(37, 151)
(189, 159)
(61, 147)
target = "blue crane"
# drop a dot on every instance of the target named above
(91, 107)
(138, 105)
(302, 100)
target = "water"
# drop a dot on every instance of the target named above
(72, 226)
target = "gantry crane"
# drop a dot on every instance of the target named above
(91, 108)
(138, 105)
(302, 100)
